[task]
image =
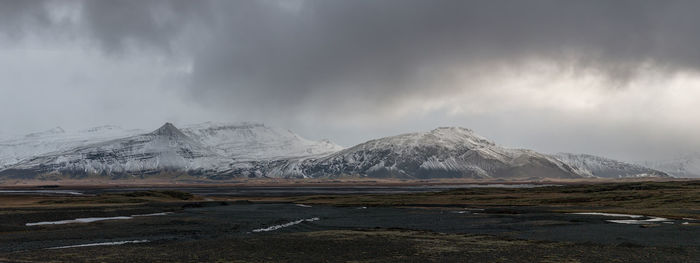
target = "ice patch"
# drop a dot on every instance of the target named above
(276, 227)
(637, 221)
(93, 219)
(640, 222)
(103, 244)
(608, 214)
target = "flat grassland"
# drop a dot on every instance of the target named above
(664, 199)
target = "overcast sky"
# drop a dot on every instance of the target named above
(614, 78)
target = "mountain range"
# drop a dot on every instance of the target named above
(224, 151)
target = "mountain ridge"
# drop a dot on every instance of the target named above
(231, 150)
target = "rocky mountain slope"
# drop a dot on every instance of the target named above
(606, 168)
(448, 152)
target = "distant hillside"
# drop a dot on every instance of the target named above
(607, 168)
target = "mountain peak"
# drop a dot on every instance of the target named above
(168, 129)
(459, 134)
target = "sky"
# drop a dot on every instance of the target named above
(614, 78)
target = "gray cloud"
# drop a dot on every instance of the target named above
(18, 16)
(372, 53)
(144, 23)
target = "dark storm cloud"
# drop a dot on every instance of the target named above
(373, 53)
(18, 16)
(151, 23)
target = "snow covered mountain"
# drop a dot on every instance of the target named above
(255, 142)
(220, 151)
(164, 149)
(448, 152)
(606, 168)
(686, 166)
(14, 150)
(207, 148)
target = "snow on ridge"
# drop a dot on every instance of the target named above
(448, 137)
(255, 141)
